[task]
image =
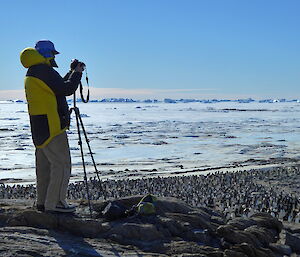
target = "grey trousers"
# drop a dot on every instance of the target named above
(53, 170)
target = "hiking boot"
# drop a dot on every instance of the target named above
(61, 209)
(65, 204)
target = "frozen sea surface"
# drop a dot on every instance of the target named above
(139, 139)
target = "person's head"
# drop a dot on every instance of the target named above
(46, 48)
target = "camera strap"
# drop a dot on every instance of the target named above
(85, 100)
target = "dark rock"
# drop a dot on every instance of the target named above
(217, 220)
(83, 227)
(172, 205)
(245, 248)
(251, 251)
(224, 244)
(292, 227)
(281, 249)
(236, 236)
(163, 230)
(231, 253)
(4, 218)
(292, 241)
(263, 235)
(190, 255)
(215, 253)
(178, 247)
(76, 226)
(176, 230)
(197, 221)
(204, 215)
(210, 212)
(263, 252)
(140, 232)
(241, 223)
(172, 226)
(199, 235)
(26, 241)
(17, 220)
(266, 220)
(34, 219)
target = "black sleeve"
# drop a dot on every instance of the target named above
(61, 86)
(66, 77)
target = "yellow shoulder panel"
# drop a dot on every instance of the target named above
(42, 101)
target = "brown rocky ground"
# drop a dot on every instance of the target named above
(176, 230)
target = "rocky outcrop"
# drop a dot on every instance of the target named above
(175, 230)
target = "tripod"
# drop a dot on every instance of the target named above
(79, 124)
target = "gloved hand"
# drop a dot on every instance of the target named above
(77, 66)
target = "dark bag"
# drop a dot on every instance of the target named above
(114, 211)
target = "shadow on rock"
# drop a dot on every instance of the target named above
(176, 229)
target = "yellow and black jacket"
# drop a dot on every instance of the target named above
(46, 93)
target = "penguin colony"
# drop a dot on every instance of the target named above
(235, 194)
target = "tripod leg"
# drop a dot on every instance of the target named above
(91, 153)
(78, 118)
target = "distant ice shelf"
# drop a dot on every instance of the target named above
(170, 101)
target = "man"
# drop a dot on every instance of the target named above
(48, 110)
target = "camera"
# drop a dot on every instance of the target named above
(75, 62)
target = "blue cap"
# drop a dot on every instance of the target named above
(46, 48)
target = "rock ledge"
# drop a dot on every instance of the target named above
(176, 230)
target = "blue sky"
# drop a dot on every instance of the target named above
(205, 49)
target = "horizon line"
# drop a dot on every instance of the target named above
(143, 94)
